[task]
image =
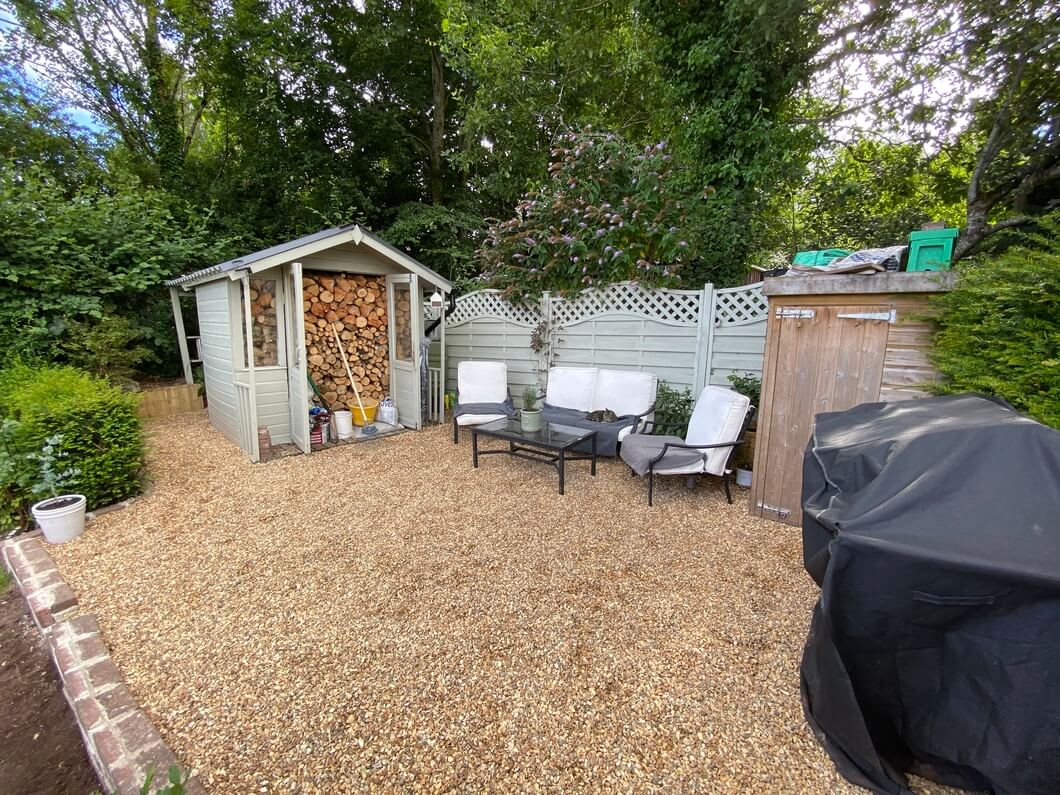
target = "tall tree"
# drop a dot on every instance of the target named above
(733, 68)
(979, 74)
(131, 63)
(535, 70)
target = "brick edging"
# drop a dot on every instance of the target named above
(120, 740)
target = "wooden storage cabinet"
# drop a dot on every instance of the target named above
(833, 342)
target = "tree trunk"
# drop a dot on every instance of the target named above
(437, 136)
(165, 117)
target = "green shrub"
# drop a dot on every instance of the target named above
(748, 384)
(94, 428)
(673, 410)
(108, 347)
(999, 329)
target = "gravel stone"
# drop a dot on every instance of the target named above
(381, 616)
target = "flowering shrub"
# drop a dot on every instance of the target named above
(605, 215)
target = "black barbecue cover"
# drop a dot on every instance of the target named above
(933, 529)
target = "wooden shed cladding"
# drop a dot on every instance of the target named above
(833, 342)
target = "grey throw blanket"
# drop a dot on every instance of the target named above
(506, 408)
(639, 449)
(606, 432)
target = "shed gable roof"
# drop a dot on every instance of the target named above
(310, 244)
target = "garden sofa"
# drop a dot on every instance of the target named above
(574, 392)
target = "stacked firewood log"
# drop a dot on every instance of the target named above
(356, 304)
(263, 321)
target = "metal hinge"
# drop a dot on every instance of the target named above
(888, 316)
(783, 311)
(781, 512)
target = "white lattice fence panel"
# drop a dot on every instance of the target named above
(490, 303)
(677, 307)
(735, 306)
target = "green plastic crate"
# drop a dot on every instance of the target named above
(815, 259)
(931, 249)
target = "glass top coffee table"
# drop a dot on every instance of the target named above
(554, 444)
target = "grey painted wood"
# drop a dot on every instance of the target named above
(215, 339)
(667, 333)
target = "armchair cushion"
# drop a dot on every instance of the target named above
(639, 449)
(481, 382)
(717, 417)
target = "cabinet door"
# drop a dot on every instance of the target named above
(818, 359)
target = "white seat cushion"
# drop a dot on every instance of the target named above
(717, 417)
(571, 387)
(478, 419)
(481, 382)
(624, 391)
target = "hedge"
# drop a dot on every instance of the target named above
(100, 436)
(999, 329)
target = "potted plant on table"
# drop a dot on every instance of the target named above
(60, 516)
(530, 416)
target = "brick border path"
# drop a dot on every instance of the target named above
(120, 739)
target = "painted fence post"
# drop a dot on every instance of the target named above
(704, 338)
(544, 356)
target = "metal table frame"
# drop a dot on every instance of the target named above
(555, 455)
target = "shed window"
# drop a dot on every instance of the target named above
(264, 322)
(402, 323)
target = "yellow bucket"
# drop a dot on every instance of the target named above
(370, 407)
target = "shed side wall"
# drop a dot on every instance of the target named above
(215, 332)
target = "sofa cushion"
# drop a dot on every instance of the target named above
(608, 434)
(717, 417)
(571, 387)
(624, 391)
(482, 382)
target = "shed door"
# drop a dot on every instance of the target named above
(404, 308)
(297, 386)
(818, 358)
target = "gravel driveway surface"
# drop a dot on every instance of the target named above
(382, 616)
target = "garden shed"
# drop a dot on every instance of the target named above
(834, 342)
(266, 320)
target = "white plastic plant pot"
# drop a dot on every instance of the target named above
(343, 424)
(61, 518)
(743, 478)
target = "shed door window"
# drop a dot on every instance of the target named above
(264, 322)
(402, 322)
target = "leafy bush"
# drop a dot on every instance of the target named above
(673, 410)
(107, 348)
(999, 329)
(607, 214)
(91, 427)
(749, 385)
(67, 260)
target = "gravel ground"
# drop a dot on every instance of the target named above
(382, 616)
